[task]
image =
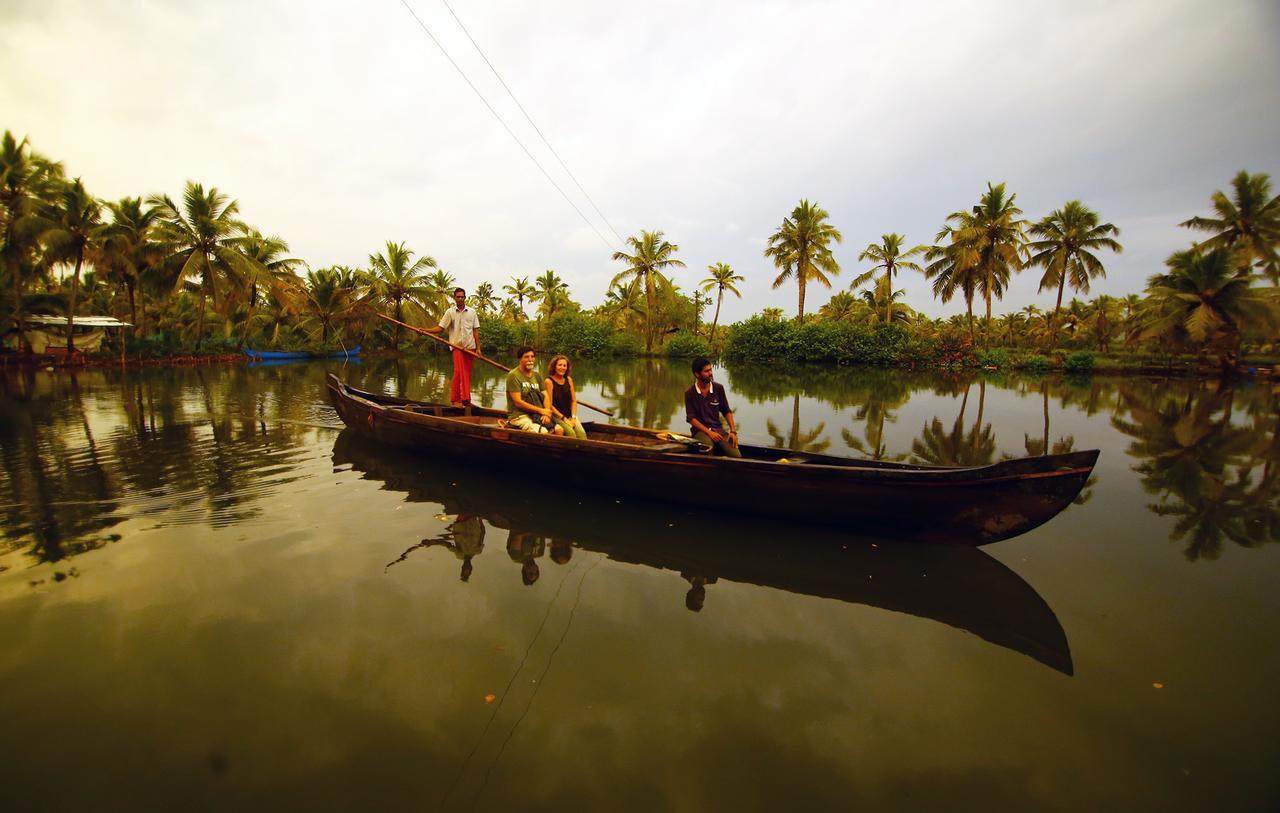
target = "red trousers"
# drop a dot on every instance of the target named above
(460, 385)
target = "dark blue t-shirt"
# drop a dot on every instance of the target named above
(708, 408)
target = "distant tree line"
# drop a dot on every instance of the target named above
(192, 276)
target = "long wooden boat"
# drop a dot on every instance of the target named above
(969, 506)
(277, 355)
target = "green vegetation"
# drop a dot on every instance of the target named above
(191, 276)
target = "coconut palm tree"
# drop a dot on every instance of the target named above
(624, 304)
(551, 291)
(879, 297)
(1207, 298)
(1104, 318)
(1069, 238)
(1249, 222)
(330, 299)
(278, 273)
(130, 250)
(69, 228)
(722, 278)
(521, 290)
(203, 239)
(844, 306)
(801, 247)
(398, 280)
(651, 256)
(888, 254)
(28, 181)
(989, 240)
(952, 274)
(483, 299)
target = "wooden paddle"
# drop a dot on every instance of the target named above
(501, 367)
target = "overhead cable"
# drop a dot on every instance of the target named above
(510, 132)
(529, 119)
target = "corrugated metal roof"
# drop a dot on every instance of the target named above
(86, 321)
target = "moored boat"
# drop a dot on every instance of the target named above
(971, 506)
(274, 355)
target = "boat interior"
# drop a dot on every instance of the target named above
(649, 439)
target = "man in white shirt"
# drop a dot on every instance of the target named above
(463, 328)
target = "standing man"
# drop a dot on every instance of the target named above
(463, 328)
(704, 403)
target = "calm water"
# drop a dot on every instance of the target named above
(211, 597)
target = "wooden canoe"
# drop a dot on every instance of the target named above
(967, 506)
(280, 355)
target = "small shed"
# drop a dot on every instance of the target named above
(44, 336)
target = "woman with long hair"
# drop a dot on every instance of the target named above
(562, 397)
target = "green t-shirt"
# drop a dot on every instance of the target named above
(530, 390)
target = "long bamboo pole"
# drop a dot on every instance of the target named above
(485, 359)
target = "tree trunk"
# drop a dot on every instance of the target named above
(200, 320)
(888, 305)
(986, 325)
(133, 305)
(399, 330)
(648, 314)
(969, 309)
(71, 310)
(23, 344)
(716, 321)
(800, 280)
(1053, 318)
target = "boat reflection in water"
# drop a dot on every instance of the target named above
(957, 585)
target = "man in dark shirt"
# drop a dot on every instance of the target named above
(704, 403)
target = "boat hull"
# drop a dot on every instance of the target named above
(279, 355)
(971, 506)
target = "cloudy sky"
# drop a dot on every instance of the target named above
(339, 125)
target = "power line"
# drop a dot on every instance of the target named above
(510, 132)
(529, 119)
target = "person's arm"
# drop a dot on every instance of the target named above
(711, 433)
(475, 336)
(444, 323)
(528, 407)
(727, 411)
(573, 396)
(544, 415)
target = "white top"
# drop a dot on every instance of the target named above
(460, 324)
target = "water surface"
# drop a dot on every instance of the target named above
(211, 596)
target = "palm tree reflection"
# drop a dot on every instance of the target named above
(939, 446)
(1201, 467)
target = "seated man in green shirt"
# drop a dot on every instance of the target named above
(525, 410)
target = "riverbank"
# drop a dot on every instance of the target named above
(1079, 363)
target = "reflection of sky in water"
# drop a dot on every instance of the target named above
(244, 642)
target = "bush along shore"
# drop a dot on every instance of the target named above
(195, 282)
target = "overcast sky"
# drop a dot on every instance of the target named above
(340, 125)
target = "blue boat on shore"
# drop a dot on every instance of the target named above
(278, 355)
